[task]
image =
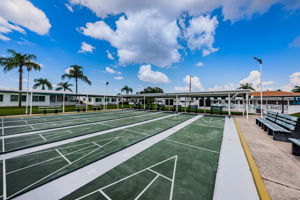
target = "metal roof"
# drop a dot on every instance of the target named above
(238, 93)
(52, 92)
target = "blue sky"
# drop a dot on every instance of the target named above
(157, 43)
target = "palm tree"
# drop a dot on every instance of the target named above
(296, 89)
(42, 82)
(127, 89)
(246, 86)
(18, 61)
(77, 74)
(64, 86)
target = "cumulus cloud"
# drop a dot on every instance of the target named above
(69, 7)
(200, 34)
(86, 48)
(111, 71)
(67, 71)
(295, 42)
(118, 78)
(146, 74)
(109, 55)
(195, 83)
(199, 64)
(230, 86)
(254, 79)
(15, 14)
(294, 81)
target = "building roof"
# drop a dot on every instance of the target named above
(275, 94)
(237, 93)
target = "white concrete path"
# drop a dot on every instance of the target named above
(234, 179)
(54, 144)
(65, 185)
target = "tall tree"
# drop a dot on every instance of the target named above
(126, 89)
(296, 89)
(76, 73)
(43, 83)
(18, 61)
(246, 86)
(65, 86)
(152, 90)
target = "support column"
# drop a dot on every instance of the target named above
(176, 104)
(122, 102)
(31, 103)
(63, 103)
(86, 103)
(144, 103)
(247, 105)
(229, 105)
(118, 103)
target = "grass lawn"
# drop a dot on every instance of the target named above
(296, 114)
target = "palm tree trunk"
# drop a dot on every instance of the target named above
(76, 85)
(20, 85)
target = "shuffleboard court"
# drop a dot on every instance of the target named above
(26, 172)
(66, 123)
(46, 119)
(182, 166)
(21, 142)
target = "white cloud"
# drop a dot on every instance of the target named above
(195, 82)
(230, 86)
(294, 81)
(86, 48)
(16, 13)
(118, 78)
(67, 71)
(200, 34)
(295, 42)
(111, 71)
(69, 7)
(254, 79)
(109, 55)
(199, 64)
(146, 74)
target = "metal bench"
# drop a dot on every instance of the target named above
(137, 106)
(97, 107)
(80, 107)
(192, 108)
(281, 126)
(50, 108)
(295, 146)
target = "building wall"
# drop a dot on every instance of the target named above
(7, 100)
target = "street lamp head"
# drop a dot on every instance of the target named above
(258, 60)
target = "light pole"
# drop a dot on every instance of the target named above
(190, 89)
(106, 84)
(259, 60)
(28, 70)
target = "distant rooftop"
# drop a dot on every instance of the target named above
(275, 94)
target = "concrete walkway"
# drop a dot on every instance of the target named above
(234, 179)
(279, 169)
(65, 185)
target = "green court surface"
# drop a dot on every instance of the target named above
(21, 142)
(64, 123)
(42, 119)
(183, 166)
(26, 172)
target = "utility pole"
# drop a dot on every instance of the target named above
(261, 98)
(191, 83)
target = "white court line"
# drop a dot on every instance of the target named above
(60, 169)
(144, 190)
(31, 127)
(4, 180)
(189, 145)
(173, 178)
(42, 137)
(3, 145)
(74, 126)
(96, 144)
(63, 156)
(105, 195)
(159, 174)
(204, 125)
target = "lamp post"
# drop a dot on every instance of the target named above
(259, 60)
(28, 70)
(190, 89)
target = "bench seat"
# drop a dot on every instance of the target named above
(295, 146)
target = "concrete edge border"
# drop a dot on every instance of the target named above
(260, 186)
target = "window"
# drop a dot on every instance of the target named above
(113, 100)
(106, 99)
(42, 98)
(14, 97)
(35, 98)
(23, 97)
(90, 99)
(1, 97)
(98, 99)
